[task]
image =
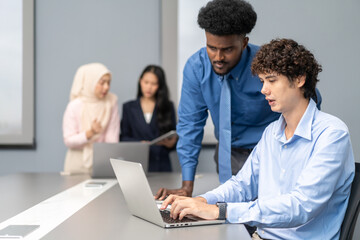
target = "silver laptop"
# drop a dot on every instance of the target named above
(140, 200)
(131, 151)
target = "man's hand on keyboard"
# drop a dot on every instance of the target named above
(182, 206)
(185, 190)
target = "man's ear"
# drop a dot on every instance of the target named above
(300, 81)
(245, 43)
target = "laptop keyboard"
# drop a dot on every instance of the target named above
(166, 217)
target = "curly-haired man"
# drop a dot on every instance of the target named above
(296, 182)
(218, 79)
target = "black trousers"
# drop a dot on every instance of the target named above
(238, 158)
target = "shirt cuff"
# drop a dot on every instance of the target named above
(188, 174)
(210, 198)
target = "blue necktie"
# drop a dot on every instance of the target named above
(224, 156)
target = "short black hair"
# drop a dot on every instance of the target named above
(227, 17)
(288, 58)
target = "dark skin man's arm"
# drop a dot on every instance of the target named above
(185, 190)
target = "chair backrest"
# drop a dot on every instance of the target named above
(352, 211)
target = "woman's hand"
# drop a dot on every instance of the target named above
(95, 129)
(168, 142)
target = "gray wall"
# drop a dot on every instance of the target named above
(124, 35)
(329, 28)
(326, 27)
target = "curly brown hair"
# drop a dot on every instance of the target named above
(288, 58)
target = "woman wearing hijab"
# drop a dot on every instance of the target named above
(91, 116)
(151, 115)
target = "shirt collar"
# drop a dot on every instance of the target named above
(304, 127)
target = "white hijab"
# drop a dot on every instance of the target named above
(85, 80)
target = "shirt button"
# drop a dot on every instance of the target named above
(262, 232)
(285, 146)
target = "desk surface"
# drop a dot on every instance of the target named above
(106, 217)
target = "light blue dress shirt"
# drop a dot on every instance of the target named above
(250, 112)
(296, 188)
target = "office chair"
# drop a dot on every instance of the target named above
(352, 211)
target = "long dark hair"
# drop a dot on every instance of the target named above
(163, 104)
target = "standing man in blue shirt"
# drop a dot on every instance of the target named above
(296, 182)
(218, 79)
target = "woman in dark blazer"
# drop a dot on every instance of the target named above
(151, 115)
